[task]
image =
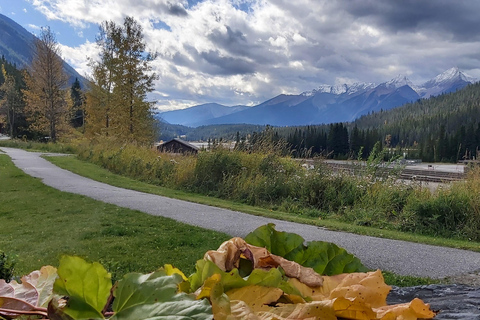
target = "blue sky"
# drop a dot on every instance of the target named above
(246, 51)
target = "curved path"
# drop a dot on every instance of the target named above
(401, 257)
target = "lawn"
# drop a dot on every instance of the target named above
(39, 224)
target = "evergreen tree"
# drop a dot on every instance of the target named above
(11, 104)
(78, 100)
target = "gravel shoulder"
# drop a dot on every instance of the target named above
(401, 257)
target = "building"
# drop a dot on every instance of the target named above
(177, 146)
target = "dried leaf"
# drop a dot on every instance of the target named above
(416, 309)
(228, 256)
(43, 281)
(257, 298)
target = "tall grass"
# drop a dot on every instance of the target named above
(271, 180)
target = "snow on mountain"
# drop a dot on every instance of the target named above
(447, 81)
(340, 89)
(325, 104)
(398, 82)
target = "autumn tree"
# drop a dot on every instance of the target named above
(117, 103)
(46, 93)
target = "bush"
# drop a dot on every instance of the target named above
(7, 266)
(212, 168)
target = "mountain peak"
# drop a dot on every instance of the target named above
(451, 74)
(398, 82)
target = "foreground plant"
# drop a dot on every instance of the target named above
(238, 281)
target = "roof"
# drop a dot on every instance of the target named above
(185, 143)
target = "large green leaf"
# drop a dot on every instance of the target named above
(323, 257)
(154, 296)
(277, 242)
(87, 286)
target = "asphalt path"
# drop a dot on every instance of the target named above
(401, 257)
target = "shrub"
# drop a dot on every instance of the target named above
(7, 266)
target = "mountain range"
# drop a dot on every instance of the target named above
(326, 104)
(17, 45)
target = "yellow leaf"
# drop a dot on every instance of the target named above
(416, 309)
(352, 309)
(256, 297)
(314, 310)
(240, 311)
(369, 288)
(169, 269)
(208, 286)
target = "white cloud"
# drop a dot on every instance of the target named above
(246, 51)
(34, 27)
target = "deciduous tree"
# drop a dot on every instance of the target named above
(121, 79)
(46, 94)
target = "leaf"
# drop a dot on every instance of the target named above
(206, 269)
(257, 298)
(43, 281)
(416, 309)
(135, 289)
(230, 252)
(30, 295)
(370, 288)
(313, 310)
(178, 310)
(323, 257)
(272, 278)
(277, 242)
(154, 296)
(213, 290)
(183, 286)
(87, 286)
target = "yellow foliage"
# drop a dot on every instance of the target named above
(360, 296)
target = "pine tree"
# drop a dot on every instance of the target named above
(46, 94)
(78, 101)
(12, 103)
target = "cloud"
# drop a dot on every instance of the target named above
(247, 51)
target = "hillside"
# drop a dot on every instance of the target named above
(17, 46)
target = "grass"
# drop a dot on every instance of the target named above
(50, 223)
(39, 224)
(97, 173)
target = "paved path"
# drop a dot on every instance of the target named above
(398, 256)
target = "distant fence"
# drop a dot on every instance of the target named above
(407, 174)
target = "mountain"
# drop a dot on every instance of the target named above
(198, 115)
(339, 103)
(17, 46)
(446, 82)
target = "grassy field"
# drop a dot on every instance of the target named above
(39, 224)
(97, 173)
(50, 223)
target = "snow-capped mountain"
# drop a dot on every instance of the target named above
(448, 81)
(337, 103)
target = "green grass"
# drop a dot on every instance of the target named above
(97, 173)
(39, 224)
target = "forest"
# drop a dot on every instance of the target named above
(445, 128)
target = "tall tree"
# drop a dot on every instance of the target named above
(11, 104)
(117, 101)
(46, 93)
(78, 98)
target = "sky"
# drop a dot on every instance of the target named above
(243, 52)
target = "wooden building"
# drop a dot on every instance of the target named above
(177, 146)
